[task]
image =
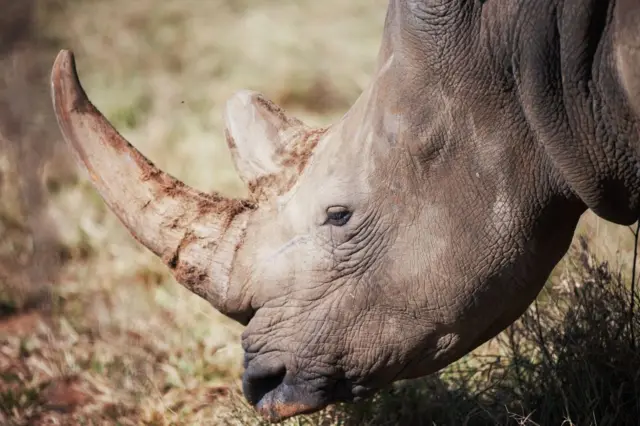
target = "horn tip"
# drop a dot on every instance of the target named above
(65, 61)
(65, 54)
(66, 90)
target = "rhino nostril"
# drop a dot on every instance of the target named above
(259, 381)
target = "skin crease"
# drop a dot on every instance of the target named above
(425, 221)
(460, 209)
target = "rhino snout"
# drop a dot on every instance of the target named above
(277, 394)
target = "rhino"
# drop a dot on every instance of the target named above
(421, 224)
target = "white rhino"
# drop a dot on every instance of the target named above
(424, 222)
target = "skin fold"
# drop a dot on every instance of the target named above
(423, 223)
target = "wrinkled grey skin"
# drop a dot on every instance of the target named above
(487, 132)
(488, 129)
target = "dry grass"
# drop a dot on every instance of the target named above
(118, 341)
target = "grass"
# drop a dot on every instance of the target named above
(93, 330)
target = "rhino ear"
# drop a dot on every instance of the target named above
(257, 132)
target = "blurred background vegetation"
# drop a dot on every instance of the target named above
(93, 330)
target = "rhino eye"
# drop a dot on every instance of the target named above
(338, 216)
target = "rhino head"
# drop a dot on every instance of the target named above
(387, 245)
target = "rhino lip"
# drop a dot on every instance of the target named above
(284, 402)
(277, 396)
(289, 400)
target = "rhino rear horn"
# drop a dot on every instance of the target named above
(270, 149)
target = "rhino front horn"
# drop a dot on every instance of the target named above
(196, 234)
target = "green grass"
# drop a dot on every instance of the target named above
(94, 317)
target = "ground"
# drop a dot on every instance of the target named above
(93, 329)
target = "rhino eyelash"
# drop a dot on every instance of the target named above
(338, 216)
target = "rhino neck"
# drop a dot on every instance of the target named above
(569, 86)
(571, 93)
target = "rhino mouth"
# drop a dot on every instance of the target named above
(287, 401)
(277, 395)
